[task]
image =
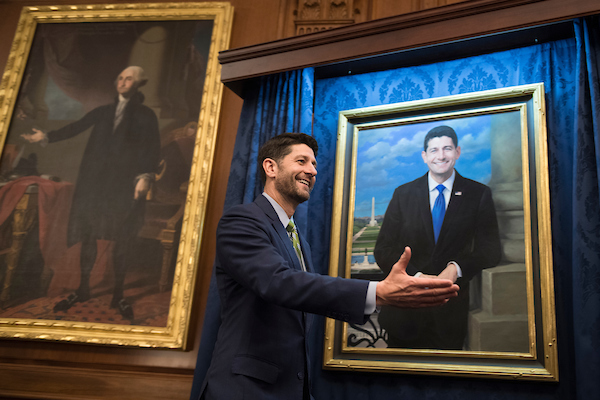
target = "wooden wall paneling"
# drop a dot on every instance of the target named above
(45, 382)
(451, 23)
(388, 8)
(298, 17)
(9, 16)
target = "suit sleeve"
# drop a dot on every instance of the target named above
(486, 249)
(74, 128)
(250, 252)
(390, 242)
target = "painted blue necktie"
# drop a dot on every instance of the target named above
(439, 209)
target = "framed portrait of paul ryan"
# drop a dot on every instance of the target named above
(108, 119)
(495, 231)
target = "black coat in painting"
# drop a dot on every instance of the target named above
(469, 236)
(103, 205)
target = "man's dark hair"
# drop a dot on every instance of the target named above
(278, 147)
(440, 131)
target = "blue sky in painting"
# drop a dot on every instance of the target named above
(60, 105)
(388, 157)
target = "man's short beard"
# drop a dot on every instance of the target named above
(291, 192)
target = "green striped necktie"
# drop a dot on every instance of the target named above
(291, 228)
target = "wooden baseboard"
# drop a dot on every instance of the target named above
(60, 383)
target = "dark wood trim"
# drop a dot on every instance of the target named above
(60, 383)
(450, 50)
(370, 28)
(454, 23)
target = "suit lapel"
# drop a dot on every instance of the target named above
(305, 252)
(308, 317)
(454, 207)
(424, 209)
(262, 202)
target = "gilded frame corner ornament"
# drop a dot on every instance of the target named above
(174, 335)
(365, 348)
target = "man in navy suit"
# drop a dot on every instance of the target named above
(465, 242)
(267, 285)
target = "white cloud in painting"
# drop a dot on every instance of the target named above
(407, 147)
(402, 147)
(378, 150)
(375, 135)
(473, 143)
(374, 173)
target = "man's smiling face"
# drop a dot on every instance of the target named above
(296, 174)
(440, 157)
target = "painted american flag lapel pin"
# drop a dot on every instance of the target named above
(458, 193)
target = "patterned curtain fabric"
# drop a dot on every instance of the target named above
(277, 104)
(570, 72)
(585, 228)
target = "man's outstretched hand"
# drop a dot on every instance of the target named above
(399, 289)
(35, 137)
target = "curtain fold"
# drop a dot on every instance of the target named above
(586, 211)
(277, 104)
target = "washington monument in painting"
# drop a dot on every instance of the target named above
(373, 222)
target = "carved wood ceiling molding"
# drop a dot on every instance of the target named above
(320, 15)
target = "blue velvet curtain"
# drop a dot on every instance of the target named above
(585, 228)
(570, 72)
(277, 104)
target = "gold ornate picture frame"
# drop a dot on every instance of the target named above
(64, 66)
(511, 328)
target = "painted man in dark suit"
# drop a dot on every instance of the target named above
(267, 285)
(466, 241)
(115, 174)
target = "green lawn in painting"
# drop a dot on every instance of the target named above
(366, 240)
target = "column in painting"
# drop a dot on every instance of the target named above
(498, 320)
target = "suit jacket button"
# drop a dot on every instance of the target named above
(301, 375)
